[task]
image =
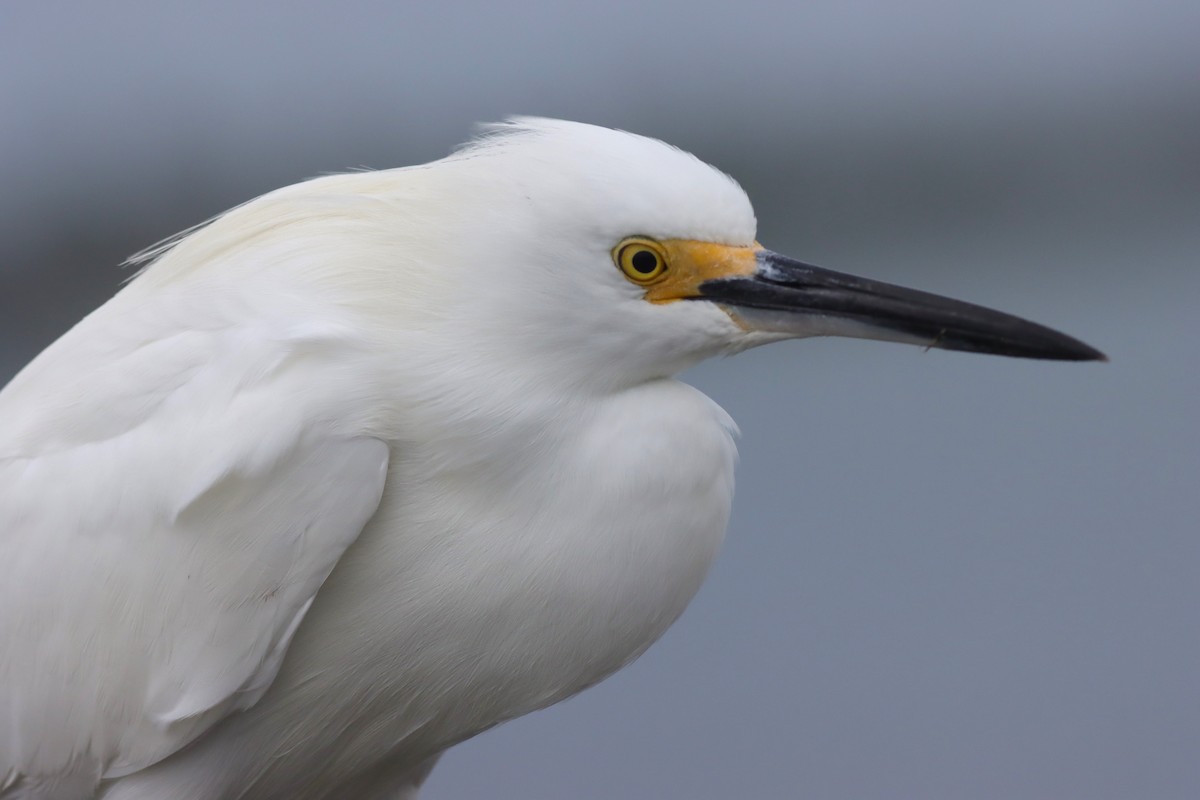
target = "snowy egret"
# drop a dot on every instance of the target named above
(375, 462)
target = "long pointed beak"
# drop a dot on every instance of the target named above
(788, 296)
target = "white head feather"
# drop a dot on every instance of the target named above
(499, 252)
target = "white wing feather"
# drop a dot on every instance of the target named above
(175, 486)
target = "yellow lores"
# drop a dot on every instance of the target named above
(673, 269)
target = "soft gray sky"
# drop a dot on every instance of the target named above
(947, 576)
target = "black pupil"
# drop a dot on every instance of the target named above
(644, 261)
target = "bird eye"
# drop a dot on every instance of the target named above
(642, 260)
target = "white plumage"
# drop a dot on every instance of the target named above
(366, 466)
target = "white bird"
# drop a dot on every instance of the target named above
(375, 462)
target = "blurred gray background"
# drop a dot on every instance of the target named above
(947, 576)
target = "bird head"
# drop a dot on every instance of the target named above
(627, 259)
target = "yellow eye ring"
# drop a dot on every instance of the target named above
(642, 260)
